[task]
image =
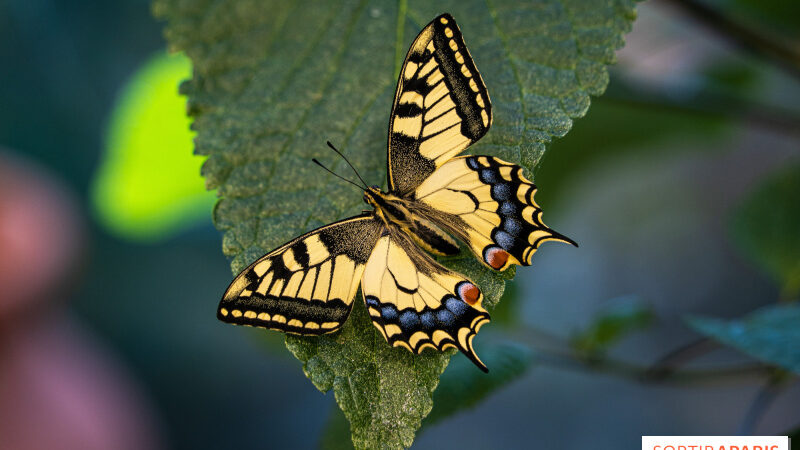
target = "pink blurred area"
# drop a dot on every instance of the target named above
(59, 388)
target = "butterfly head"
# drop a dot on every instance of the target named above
(371, 196)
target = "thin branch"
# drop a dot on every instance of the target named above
(669, 363)
(761, 403)
(759, 45)
(640, 373)
(557, 353)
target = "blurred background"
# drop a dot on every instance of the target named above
(110, 268)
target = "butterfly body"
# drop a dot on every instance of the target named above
(435, 199)
(405, 214)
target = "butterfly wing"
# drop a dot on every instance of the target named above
(489, 204)
(416, 303)
(306, 286)
(441, 106)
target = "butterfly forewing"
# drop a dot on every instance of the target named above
(416, 303)
(306, 286)
(441, 105)
(489, 204)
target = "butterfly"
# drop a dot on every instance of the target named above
(435, 198)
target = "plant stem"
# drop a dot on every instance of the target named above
(556, 352)
(670, 362)
(761, 403)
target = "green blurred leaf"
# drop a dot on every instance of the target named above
(274, 80)
(770, 16)
(645, 127)
(462, 387)
(766, 226)
(621, 317)
(771, 334)
(148, 184)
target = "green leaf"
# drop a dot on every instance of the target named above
(773, 17)
(766, 227)
(462, 387)
(770, 334)
(274, 80)
(621, 317)
(148, 184)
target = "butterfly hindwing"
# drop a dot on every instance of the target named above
(489, 204)
(441, 105)
(416, 303)
(306, 286)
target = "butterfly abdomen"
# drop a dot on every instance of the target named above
(397, 212)
(432, 238)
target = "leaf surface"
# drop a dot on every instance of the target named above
(770, 334)
(620, 317)
(274, 80)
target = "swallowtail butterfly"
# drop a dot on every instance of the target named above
(441, 107)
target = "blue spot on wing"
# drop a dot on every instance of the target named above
(504, 239)
(490, 176)
(389, 313)
(508, 208)
(456, 306)
(502, 191)
(409, 320)
(428, 321)
(445, 318)
(513, 226)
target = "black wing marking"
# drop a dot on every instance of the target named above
(307, 285)
(416, 303)
(488, 204)
(440, 108)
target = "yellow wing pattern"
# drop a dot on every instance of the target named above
(307, 285)
(489, 204)
(416, 303)
(441, 105)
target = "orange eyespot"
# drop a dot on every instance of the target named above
(496, 257)
(469, 292)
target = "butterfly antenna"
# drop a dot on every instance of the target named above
(347, 161)
(336, 174)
